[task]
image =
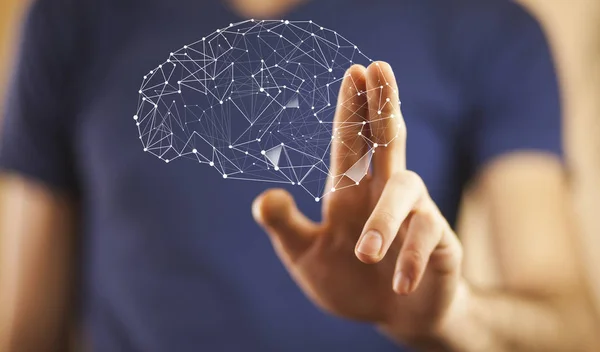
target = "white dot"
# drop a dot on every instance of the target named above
(194, 151)
(332, 189)
(135, 117)
(230, 146)
(287, 22)
(364, 122)
(224, 175)
(211, 164)
(317, 199)
(359, 133)
(379, 112)
(221, 102)
(330, 70)
(276, 168)
(263, 152)
(145, 149)
(375, 145)
(387, 99)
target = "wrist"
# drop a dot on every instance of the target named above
(445, 334)
(463, 329)
(457, 321)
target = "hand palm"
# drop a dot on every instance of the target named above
(322, 258)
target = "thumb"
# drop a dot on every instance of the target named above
(290, 231)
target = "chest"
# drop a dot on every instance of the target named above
(119, 176)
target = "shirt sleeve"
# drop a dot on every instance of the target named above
(516, 93)
(35, 141)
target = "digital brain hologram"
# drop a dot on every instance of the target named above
(254, 101)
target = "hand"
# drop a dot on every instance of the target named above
(383, 253)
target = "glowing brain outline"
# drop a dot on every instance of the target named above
(255, 101)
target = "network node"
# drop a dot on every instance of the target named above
(280, 106)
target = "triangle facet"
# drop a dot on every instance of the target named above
(274, 154)
(359, 170)
(293, 103)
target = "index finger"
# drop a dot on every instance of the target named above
(388, 131)
(348, 145)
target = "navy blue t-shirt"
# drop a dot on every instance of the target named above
(171, 258)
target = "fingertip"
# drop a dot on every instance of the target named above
(402, 284)
(380, 73)
(370, 247)
(377, 67)
(367, 259)
(271, 206)
(356, 71)
(355, 79)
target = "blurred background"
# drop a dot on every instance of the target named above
(573, 28)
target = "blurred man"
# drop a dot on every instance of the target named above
(168, 256)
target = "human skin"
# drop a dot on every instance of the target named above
(385, 254)
(541, 303)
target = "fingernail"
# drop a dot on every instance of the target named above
(370, 244)
(401, 283)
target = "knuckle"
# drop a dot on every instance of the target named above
(401, 129)
(384, 219)
(407, 179)
(414, 260)
(413, 178)
(427, 219)
(414, 254)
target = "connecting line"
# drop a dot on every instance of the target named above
(255, 101)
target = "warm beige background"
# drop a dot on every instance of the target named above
(573, 28)
(10, 11)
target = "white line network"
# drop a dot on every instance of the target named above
(255, 101)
